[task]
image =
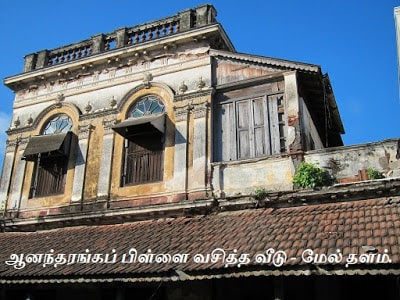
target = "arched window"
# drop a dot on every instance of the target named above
(148, 105)
(50, 152)
(144, 141)
(59, 124)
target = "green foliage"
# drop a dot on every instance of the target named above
(308, 175)
(374, 174)
(260, 193)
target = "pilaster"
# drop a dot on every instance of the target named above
(80, 162)
(180, 155)
(16, 189)
(293, 112)
(199, 169)
(103, 188)
(5, 180)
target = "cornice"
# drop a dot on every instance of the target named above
(194, 94)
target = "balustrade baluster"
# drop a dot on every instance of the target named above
(157, 32)
(170, 29)
(163, 30)
(135, 35)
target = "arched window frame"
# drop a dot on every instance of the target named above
(143, 130)
(50, 152)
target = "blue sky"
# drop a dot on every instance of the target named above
(354, 41)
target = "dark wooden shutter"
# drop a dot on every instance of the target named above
(250, 128)
(50, 173)
(143, 159)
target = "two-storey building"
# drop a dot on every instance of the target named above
(133, 160)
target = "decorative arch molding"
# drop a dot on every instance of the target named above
(143, 86)
(48, 109)
(41, 116)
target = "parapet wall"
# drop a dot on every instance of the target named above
(123, 37)
(348, 163)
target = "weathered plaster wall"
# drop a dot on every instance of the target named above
(243, 177)
(345, 162)
(292, 112)
(93, 160)
(99, 85)
(96, 93)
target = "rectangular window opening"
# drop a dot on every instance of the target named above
(143, 159)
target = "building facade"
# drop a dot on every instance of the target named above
(150, 142)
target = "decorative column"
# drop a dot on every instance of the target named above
(103, 187)
(80, 162)
(200, 143)
(180, 155)
(6, 174)
(19, 175)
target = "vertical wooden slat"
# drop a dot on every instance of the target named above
(51, 172)
(144, 160)
(282, 122)
(243, 129)
(228, 132)
(248, 128)
(258, 125)
(274, 124)
(267, 124)
(125, 163)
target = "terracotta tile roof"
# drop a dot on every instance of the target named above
(352, 227)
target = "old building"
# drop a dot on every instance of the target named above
(135, 161)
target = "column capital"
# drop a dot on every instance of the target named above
(200, 110)
(84, 131)
(181, 113)
(108, 125)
